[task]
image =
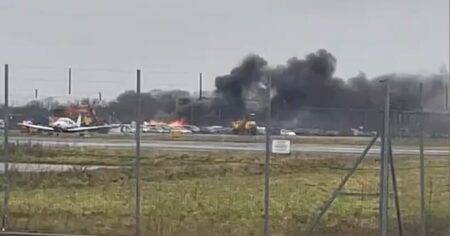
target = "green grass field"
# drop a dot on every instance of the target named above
(215, 194)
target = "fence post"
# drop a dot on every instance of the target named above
(384, 172)
(267, 160)
(5, 214)
(423, 220)
(138, 155)
(448, 109)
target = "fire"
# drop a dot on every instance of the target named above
(174, 123)
(177, 123)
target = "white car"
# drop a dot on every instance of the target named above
(145, 129)
(182, 130)
(127, 128)
(260, 130)
(192, 128)
(287, 132)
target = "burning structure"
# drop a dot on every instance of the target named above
(87, 112)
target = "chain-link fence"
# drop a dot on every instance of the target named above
(201, 176)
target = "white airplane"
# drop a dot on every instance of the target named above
(66, 125)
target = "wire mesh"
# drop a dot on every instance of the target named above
(208, 181)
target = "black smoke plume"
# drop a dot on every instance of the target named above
(310, 82)
(233, 88)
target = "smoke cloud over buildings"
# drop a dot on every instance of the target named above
(305, 93)
(310, 82)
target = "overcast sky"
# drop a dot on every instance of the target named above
(172, 41)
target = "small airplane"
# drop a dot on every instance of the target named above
(65, 125)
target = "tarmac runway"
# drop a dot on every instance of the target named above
(248, 146)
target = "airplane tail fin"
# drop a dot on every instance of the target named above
(51, 119)
(79, 121)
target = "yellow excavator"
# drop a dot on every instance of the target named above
(246, 126)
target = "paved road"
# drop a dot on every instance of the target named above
(33, 168)
(219, 146)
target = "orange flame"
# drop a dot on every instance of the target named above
(174, 123)
(177, 123)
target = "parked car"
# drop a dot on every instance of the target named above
(260, 130)
(192, 128)
(181, 130)
(405, 132)
(127, 128)
(211, 129)
(332, 133)
(360, 132)
(225, 130)
(145, 128)
(287, 132)
(308, 131)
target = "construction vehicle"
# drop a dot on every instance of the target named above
(246, 126)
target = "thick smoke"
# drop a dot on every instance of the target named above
(303, 91)
(310, 82)
(233, 88)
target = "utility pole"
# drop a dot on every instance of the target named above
(100, 96)
(200, 96)
(35, 93)
(192, 112)
(384, 170)
(446, 97)
(5, 214)
(70, 81)
(267, 160)
(177, 103)
(138, 155)
(423, 224)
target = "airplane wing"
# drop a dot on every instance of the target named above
(90, 128)
(38, 127)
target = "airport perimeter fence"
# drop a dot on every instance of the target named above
(138, 183)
